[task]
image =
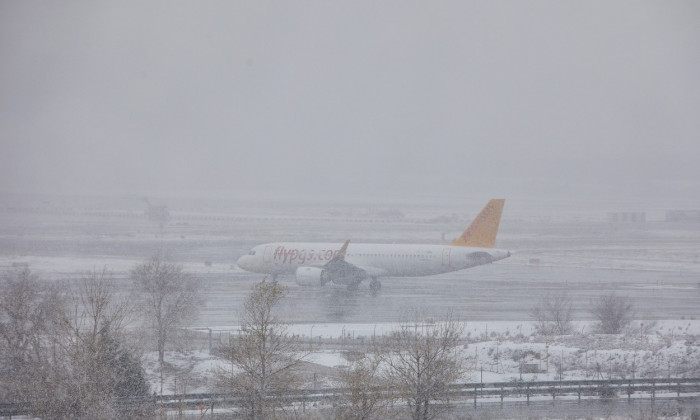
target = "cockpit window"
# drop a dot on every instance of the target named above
(252, 252)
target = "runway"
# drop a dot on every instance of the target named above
(655, 264)
(496, 292)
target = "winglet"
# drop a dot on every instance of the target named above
(343, 250)
(482, 231)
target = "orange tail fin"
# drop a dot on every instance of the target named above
(482, 231)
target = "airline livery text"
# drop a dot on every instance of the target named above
(302, 256)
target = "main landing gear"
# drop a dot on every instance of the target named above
(374, 286)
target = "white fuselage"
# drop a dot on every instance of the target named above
(400, 260)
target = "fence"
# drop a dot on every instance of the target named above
(512, 392)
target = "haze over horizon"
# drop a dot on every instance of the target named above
(360, 99)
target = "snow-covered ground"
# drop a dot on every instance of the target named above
(495, 351)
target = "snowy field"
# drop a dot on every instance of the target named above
(495, 351)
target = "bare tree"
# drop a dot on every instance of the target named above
(265, 356)
(170, 297)
(94, 302)
(552, 315)
(612, 313)
(365, 389)
(79, 367)
(424, 359)
(91, 367)
(28, 309)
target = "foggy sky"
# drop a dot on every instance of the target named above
(315, 98)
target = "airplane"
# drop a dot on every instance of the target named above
(315, 264)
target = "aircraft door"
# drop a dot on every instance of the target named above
(267, 255)
(446, 256)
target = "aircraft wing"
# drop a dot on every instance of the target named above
(337, 268)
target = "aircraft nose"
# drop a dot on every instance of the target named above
(243, 262)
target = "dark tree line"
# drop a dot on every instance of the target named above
(63, 352)
(64, 347)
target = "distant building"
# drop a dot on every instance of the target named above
(683, 215)
(627, 217)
